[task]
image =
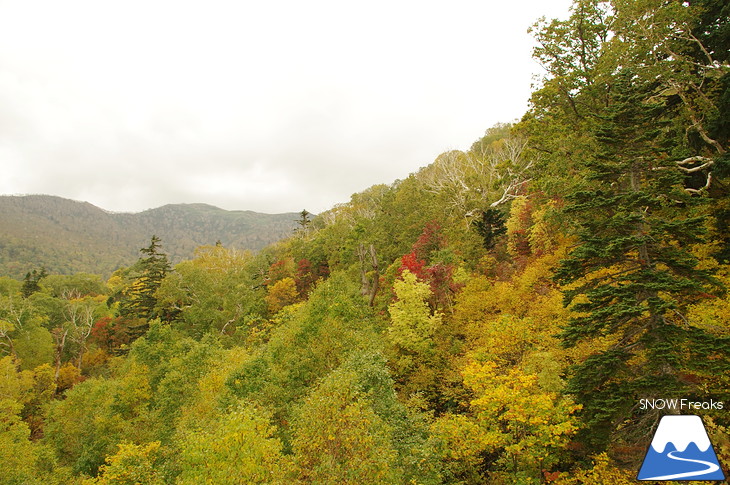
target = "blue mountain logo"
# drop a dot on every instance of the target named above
(680, 450)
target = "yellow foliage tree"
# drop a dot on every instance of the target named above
(131, 465)
(14, 384)
(461, 443)
(339, 439)
(206, 407)
(280, 294)
(524, 425)
(413, 326)
(602, 472)
(236, 449)
(68, 376)
(17, 453)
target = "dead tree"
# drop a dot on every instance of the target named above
(369, 283)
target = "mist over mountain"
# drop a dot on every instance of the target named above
(68, 236)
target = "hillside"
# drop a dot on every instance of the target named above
(504, 315)
(68, 236)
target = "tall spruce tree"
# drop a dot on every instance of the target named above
(632, 275)
(31, 282)
(139, 299)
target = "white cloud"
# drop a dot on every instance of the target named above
(140, 103)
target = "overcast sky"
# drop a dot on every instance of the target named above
(271, 106)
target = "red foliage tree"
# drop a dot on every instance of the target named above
(422, 262)
(308, 274)
(111, 333)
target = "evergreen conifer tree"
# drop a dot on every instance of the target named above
(31, 282)
(140, 299)
(632, 275)
(304, 221)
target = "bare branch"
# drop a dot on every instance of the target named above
(694, 159)
(508, 195)
(708, 163)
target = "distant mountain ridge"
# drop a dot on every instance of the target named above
(68, 236)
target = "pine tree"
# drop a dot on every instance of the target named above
(632, 274)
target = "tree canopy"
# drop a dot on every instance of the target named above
(496, 317)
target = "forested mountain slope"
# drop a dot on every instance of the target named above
(67, 236)
(496, 317)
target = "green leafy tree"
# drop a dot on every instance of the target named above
(632, 108)
(23, 333)
(73, 286)
(351, 428)
(85, 427)
(213, 293)
(310, 340)
(339, 437)
(9, 286)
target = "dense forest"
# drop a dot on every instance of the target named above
(496, 317)
(68, 237)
